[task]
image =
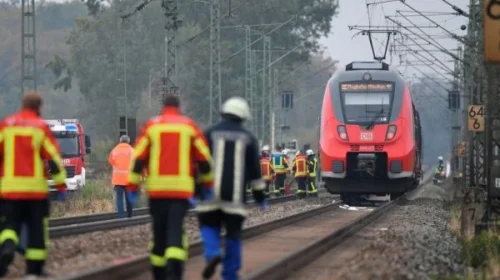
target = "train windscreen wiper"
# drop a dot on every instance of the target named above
(374, 119)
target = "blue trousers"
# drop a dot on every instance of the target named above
(120, 196)
(210, 225)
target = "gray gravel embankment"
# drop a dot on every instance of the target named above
(97, 249)
(416, 244)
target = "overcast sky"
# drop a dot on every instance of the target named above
(341, 46)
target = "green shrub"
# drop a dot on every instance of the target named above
(478, 250)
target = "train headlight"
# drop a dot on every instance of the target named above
(342, 132)
(391, 132)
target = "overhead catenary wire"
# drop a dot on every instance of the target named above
(197, 35)
(260, 38)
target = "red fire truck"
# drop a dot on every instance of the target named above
(74, 145)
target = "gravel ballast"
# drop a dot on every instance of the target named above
(97, 249)
(414, 243)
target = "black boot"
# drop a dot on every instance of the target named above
(175, 269)
(159, 273)
(209, 269)
(34, 267)
(7, 251)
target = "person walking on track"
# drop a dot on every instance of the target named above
(172, 147)
(236, 159)
(25, 142)
(120, 159)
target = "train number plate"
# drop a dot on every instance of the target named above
(366, 136)
(366, 148)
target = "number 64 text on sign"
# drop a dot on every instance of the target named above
(476, 118)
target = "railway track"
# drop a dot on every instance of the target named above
(107, 221)
(58, 222)
(271, 250)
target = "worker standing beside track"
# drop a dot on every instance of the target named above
(25, 142)
(172, 147)
(311, 179)
(120, 159)
(236, 159)
(300, 172)
(280, 166)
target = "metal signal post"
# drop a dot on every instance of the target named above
(171, 26)
(28, 42)
(491, 39)
(215, 61)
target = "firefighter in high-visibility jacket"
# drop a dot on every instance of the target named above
(236, 159)
(313, 167)
(25, 142)
(301, 173)
(280, 167)
(266, 169)
(173, 149)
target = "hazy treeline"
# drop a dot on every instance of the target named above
(81, 66)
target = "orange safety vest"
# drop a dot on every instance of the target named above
(120, 159)
(25, 143)
(171, 145)
(300, 166)
(266, 169)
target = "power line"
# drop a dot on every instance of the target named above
(192, 38)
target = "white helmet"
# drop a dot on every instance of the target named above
(440, 158)
(265, 148)
(285, 151)
(237, 106)
(309, 152)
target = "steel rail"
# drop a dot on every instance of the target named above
(137, 265)
(289, 264)
(57, 222)
(86, 227)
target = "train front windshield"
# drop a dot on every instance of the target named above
(366, 106)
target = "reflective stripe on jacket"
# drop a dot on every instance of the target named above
(266, 169)
(170, 145)
(313, 165)
(25, 142)
(280, 163)
(300, 166)
(120, 159)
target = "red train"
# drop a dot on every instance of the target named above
(370, 133)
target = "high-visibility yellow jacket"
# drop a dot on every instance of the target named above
(171, 146)
(25, 143)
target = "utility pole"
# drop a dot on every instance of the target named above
(253, 101)
(454, 104)
(248, 71)
(272, 107)
(125, 80)
(170, 78)
(264, 98)
(215, 67)
(28, 43)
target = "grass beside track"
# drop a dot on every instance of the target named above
(481, 253)
(96, 197)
